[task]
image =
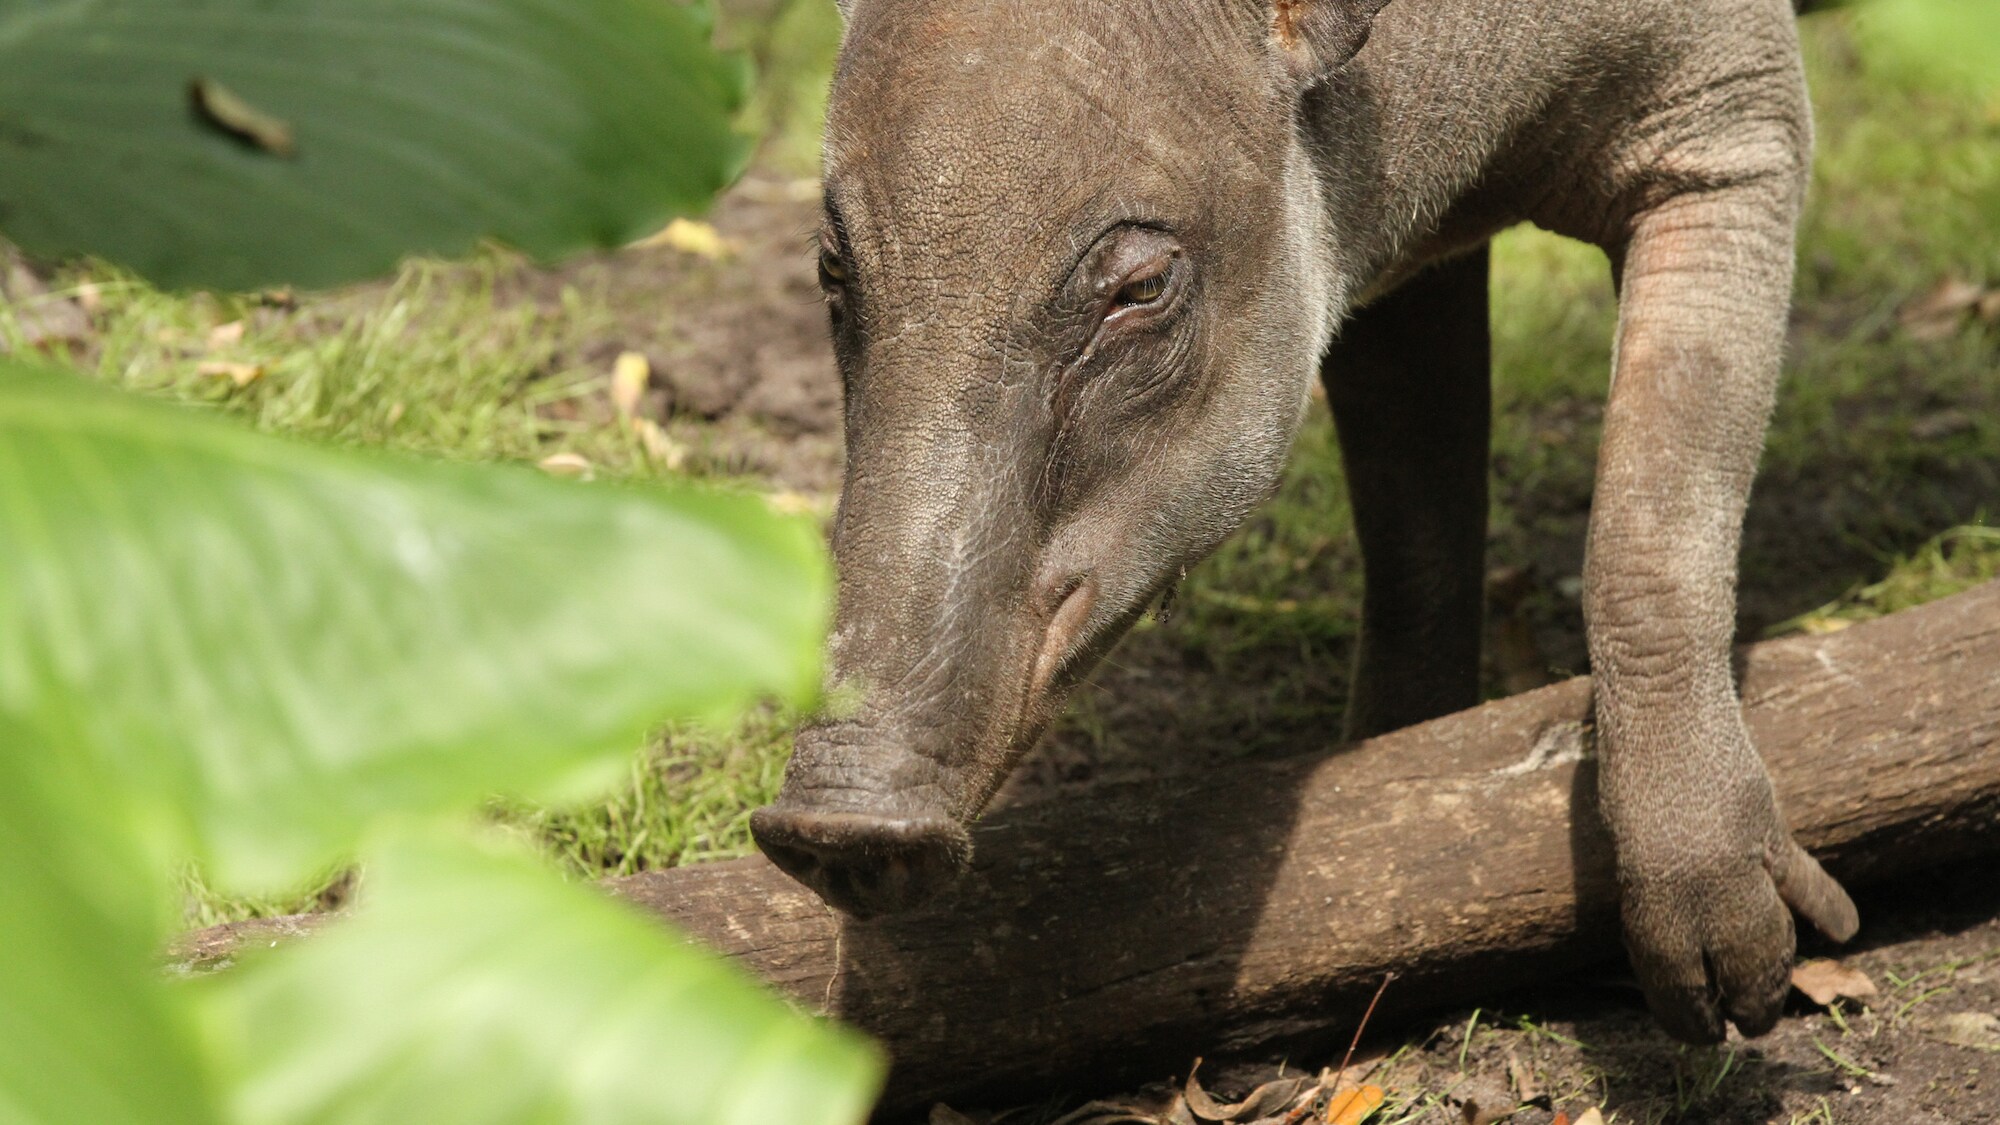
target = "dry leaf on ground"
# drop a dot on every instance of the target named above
(629, 376)
(1265, 1100)
(1354, 1106)
(226, 335)
(1287, 1101)
(1825, 981)
(566, 465)
(241, 374)
(1939, 312)
(787, 502)
(665, 451)
(689, 237)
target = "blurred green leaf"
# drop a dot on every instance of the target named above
(89, 1031)
(273, 644)
(1951, 43)
(239, 143)
(473, 987)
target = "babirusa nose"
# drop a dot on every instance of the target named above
(862, 864)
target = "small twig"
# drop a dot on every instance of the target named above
(1361, 1027)
(839, 932)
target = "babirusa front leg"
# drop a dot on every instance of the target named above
(1706, 862)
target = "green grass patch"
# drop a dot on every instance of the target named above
(688, 798)
(439, 361)
(1952, 563)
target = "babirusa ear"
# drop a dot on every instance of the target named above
(1315, 37)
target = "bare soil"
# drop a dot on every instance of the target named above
(738, 345)
(1925, 1052)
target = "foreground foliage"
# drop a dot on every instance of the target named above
(266, 657)
(342, 637)
(217, 643)
(220, 644)
(239, 144)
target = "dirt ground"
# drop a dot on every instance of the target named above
(743, 371)
(738, 345)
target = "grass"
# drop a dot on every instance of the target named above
(437, 361)
(1956, 560)
(688, 798)
(1883, 460)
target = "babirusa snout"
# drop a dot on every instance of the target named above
(862, 863)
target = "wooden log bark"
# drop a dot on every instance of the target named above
(1119, 933)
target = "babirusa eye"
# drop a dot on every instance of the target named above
(831, 269)
(1144, 291)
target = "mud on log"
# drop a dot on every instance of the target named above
(1119, 933)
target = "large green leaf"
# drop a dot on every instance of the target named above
(274, 643)
(88, 1029)
(237, 143)
(473, 988)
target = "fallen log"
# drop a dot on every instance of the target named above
(1119, 933)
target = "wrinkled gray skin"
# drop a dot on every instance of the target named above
(1085, 258)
